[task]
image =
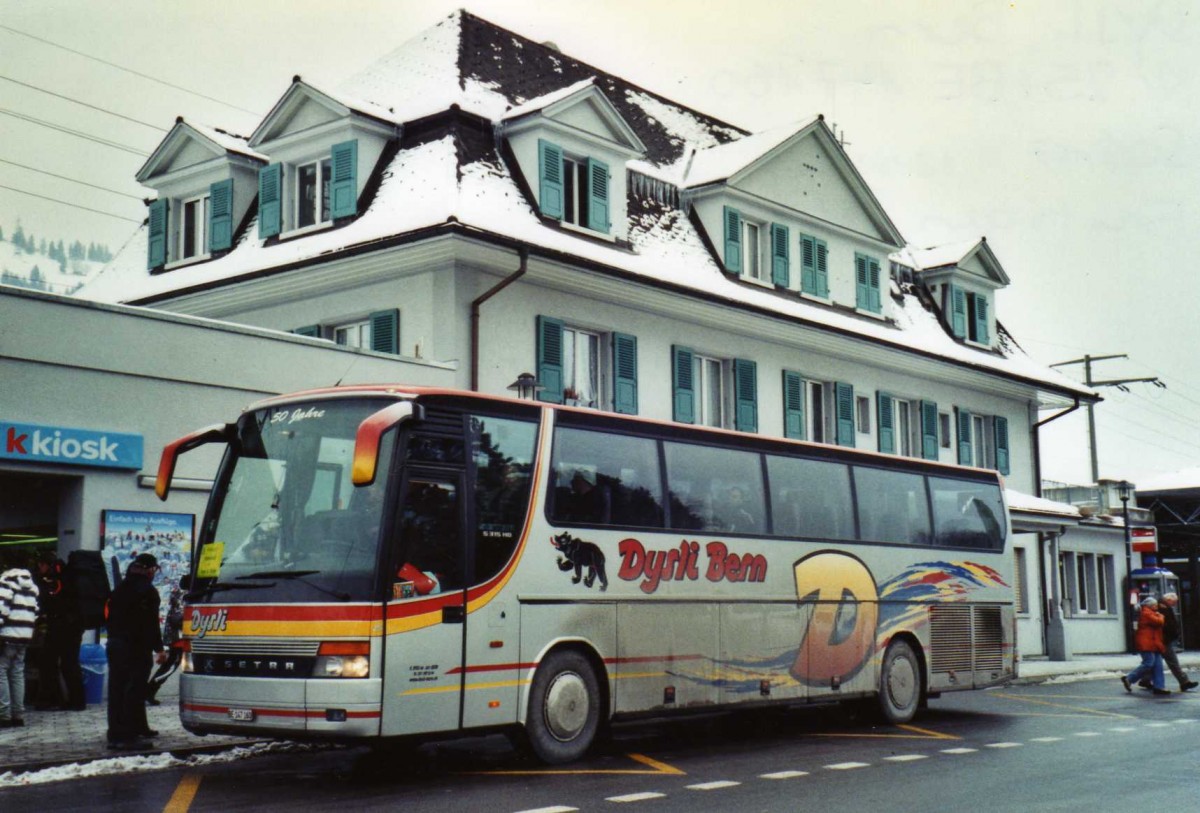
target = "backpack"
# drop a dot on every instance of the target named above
(88, 579)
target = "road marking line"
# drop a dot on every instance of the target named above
(906, 757)
(783, 775)
(635, 797)
(1157, 725)
(717, 785)
(1083, 709)
(184, 793)
(659, 767)
(1003, 745)
(550, 810)
(1122, 729)
(959, 750)
(918, 734)
(846, 766)
(1185, 720)
(1087, 733)
(1046, 739)
(656, 768)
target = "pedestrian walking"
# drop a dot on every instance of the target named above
(18, 614)
(60, 678)
(1148, 641)
(1170, 632)
(172, 631)
(134, 640)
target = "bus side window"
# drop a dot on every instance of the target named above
(502, 449)
(605, 479)
(429, 532)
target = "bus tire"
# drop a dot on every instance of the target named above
(564, 708)
(900, 683)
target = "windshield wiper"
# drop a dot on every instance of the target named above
(298, 575)
(218, 588)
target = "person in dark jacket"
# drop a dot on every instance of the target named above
(134, 640)
(1148, 641)
(1170, 635)
(172, 631)
(60, 678)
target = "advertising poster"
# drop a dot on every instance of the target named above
(169, 537)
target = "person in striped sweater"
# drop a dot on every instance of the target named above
(18, 612)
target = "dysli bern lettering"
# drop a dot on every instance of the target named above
(683, 562)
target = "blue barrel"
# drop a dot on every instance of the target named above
(94, 664)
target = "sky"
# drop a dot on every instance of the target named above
(1064, 131)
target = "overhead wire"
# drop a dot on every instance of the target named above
(128, 70)
(72, 180)
(83, 103)
(115, 145)
(68, 203)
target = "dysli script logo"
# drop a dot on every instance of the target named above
(75, 447)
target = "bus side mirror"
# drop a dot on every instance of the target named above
(370, 433)
(221, 432)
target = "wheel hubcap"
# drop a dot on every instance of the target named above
(566, 706)
(902, 683)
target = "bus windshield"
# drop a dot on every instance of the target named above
(287, 524)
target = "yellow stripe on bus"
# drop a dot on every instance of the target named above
(501, 684)
(298, 629)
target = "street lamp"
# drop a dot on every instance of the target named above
(526, 386)
(1124, 489)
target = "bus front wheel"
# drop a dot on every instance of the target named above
(564, 708)
(899, 683)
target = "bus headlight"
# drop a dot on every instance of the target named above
(342, 666)
(343, 659)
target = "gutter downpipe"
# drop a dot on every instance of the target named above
(1054, 630)
(523, 253)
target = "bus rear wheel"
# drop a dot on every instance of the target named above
(564, 708)
(899, 683)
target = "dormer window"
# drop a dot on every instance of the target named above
(969, 315)
(573, 189)
(747, 243)
(312, 193)
(193, 228)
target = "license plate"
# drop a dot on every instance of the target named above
(242, 715)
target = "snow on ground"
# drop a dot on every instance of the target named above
(144, 763)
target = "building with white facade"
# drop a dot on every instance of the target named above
(485, 202)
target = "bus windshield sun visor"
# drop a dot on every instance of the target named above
(217, 433)
(370, 433)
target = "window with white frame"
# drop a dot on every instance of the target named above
(1085, 573)
(818, 411)
(752, 264)
(193, 227)
(353, 334)
(1106, 597)
(575, 191)
(863, 414)
(981, 446)
(1066, 578)
(581, 367)
(944, 429)
(708, 376)
(312, 193)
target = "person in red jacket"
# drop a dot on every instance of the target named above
(1148, 641)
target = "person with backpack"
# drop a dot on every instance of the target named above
(134, 639)
(18, 612)
(60, 678)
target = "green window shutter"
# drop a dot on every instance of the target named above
(220, 215)
(781, 258)
(929, 430)
(1000, 429)
(550, 359)
(682, 385)
(844, 401)
(309, 330)
(550, 180)
(875, 286)
(887, 422)
(862, 291)
(963, 418)
(981, 319)
(793, 405)
(808, 264)
(156, 254)
(343, 180)
(745, 385)
(270, 200)
(385, 331)
(958, 311)
(822, 269)
(625, 391)
(597, 196)
(733, 240)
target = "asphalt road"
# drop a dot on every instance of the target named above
(1083, 746)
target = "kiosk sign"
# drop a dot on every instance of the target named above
(34, 443)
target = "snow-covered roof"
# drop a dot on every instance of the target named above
(1182, 480)
(936, 256)
(722, 161)
(230, 142)
(542, 102)
(488, 71)
(1029, 504)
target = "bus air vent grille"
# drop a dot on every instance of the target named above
(989, 639)
(950, 637)
(257, 647)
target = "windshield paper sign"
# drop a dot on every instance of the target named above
(75, 447)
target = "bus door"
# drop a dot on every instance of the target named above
(426, 613)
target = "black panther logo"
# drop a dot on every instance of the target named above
(577, 554)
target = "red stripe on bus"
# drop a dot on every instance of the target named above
(655, 658)
(501, 667)
(490, 667)
(293, 612)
